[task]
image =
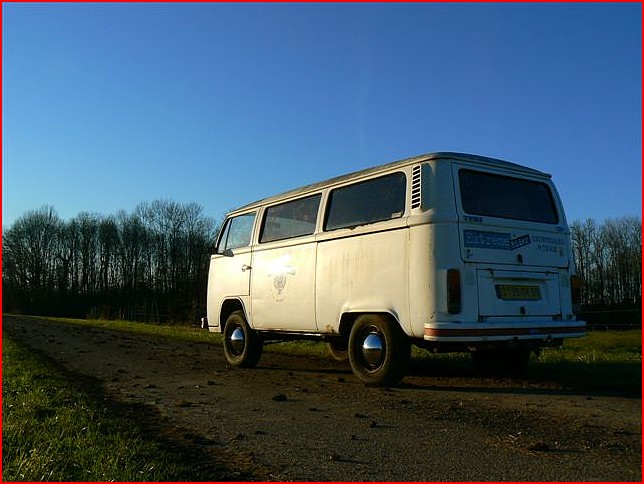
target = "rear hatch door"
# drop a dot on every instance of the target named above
(511, 229)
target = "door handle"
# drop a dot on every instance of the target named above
(245, 268)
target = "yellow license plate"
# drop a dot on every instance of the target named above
(517, 293)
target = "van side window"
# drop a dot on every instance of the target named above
(290, 219)
(367, 202)
(506, 197)
(237, 232)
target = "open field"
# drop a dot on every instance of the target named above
(576, 415)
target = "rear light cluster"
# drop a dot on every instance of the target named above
(453, 291)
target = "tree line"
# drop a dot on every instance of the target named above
(608, 257)
(151, 264)
(147, 265)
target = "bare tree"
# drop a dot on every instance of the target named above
(29, 257)
(609, 260)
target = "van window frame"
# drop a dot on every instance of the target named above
(401, 175)
(222, 242)
(266, 215)
(551, 218)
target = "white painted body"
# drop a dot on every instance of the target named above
(314, 284)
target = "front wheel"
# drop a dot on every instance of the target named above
(242, 345)
(379, 351)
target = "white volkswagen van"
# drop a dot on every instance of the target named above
(445, 251)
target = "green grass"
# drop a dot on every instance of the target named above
(182, 333)
(605, 361)
(56, 427)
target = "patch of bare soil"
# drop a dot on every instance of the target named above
(302, 419)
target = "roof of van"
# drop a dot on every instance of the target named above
(476, 159)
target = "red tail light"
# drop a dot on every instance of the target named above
(453, 291)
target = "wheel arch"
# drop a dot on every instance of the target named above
(228, 307)
(348, 319)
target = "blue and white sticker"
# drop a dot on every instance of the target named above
(494, 240)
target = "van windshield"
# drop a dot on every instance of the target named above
(506, 197)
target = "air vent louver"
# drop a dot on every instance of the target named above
(415, 187)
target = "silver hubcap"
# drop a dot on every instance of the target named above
(372, 350)
(237, 341)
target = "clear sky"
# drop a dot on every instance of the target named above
(109, 105)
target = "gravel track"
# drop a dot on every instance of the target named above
(309, 419)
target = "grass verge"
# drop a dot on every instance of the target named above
(182, 333)
(58, 427)
(604, 361)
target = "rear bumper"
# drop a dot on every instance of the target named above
(481, 332)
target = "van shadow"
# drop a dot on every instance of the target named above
(461, 376)
(540, 378)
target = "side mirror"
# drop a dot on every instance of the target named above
(225, 253)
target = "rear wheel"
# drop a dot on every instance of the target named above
(242, 345)
(379, 351)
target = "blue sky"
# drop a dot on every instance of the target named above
(109, 105)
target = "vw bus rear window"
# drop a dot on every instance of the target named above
(506, 197)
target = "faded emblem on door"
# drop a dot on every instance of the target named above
(278, 288)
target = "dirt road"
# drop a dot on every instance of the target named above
(295, 418)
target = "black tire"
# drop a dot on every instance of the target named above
(338, 350)
(242, 345)
(379, 351)
(501, 362)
